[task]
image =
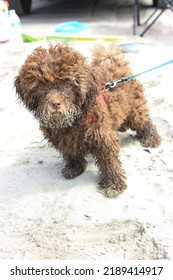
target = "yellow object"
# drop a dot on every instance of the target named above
(74, 37)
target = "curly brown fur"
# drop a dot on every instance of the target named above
(62, 90)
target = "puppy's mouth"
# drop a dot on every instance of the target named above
(55, 119)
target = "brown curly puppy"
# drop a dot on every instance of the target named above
(78, 116)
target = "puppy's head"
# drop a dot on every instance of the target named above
(57, 85)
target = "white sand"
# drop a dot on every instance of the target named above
(44, 216)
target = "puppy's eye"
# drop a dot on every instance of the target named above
(68, 85)
(40, 86)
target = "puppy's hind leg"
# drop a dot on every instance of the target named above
(146, 131)
(148, 135)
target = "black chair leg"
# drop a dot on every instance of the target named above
(153, 17)
(136, 16)
(154, 20)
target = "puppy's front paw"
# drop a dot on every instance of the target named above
(112, 188)
(74, 169)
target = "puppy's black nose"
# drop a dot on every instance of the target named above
(55, 104)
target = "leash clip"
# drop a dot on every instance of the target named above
(112, 84)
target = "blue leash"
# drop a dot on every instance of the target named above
(114, 83)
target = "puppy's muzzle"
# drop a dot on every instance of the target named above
(58, 112)
(55, 104)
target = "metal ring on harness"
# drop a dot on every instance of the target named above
(113, 83)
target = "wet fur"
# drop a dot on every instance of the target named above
(54, 81)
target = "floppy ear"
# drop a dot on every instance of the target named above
(91, 92)
(23, 94)
(19, 91)
(17, 86)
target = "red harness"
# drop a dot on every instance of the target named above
(101, 99)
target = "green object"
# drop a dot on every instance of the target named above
(29, 38)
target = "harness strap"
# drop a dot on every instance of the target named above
(101, 99)
(89, 120)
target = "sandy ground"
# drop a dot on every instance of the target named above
(44, 216)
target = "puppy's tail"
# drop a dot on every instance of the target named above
(112, 54)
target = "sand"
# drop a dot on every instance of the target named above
(44, 216)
